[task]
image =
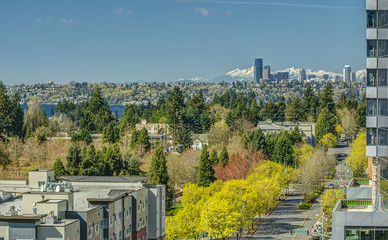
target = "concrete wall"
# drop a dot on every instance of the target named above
(62, 231)
(4, 230)
(30, 198)
(40, 176)
(13, 182)
(358, 193)
(88, 219)
(22, 230)
(59, 208)
(127, 217)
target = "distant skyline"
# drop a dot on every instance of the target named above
(165, 40)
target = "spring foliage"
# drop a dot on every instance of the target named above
(356, 159)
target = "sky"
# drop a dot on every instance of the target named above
(164, 40)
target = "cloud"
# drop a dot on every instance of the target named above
(43, 20)
(118, 11)
(203, 11)
(228, 13)
(65, 21)
(282, 4)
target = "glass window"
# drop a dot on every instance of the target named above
(381, 234)
(383, 137)
(371, 48)
(383, 19)
(352, 234)
(383, 111)
(367, 234)
(383, 48)
(371, 136)
(371, 105)
(371, 77)
(382, 77)
(371, 19)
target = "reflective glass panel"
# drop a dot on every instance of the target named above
(371, 48)
(371, 77)
(383, 111)
(383, 48)
(371, 136)
(382, 78)
(371, 19)
(383, 19)
(371, 107)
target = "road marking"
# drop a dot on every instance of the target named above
(296, 234)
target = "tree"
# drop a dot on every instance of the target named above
(111, 134)
(82, 135)
(5, 160)
(295, 111)
(33, 115)
(280, 110)
(325, 124)
(59, 168)
(328, 201)
(131, 165)
(17, 116)
(205, 174)
(74, 159)
(183, 136)
(326, 99)
(144, 139)
(348, 119)
(328, 141)
(219, 133)
(258, 142)
(295, 135)
(88, 166)
(43, 118)
(214, 156)
(284, 150)
(269, 111)
(224, 156)
(357, 159)
(129, 118)
(361, 112)
(175, 106)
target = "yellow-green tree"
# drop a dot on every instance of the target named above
(302, 152)
(356, 159)
(328, 141)
(328, 201)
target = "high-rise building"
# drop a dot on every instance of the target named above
(302, 75)
(353, 77)
(258, 69)
(325, 76)
(367, 219)
(283, 76)
(346, 73)
(267, 72)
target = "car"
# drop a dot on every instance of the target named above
(342, 139)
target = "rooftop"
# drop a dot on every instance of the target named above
(41, 170)
(102, 179)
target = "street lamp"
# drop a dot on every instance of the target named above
(207, 220)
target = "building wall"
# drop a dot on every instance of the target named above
(69, 231)
(22, 230)
(139, 211)
(90, 218)
(156, 211)
(34, 177)
(30, 198)
(59, 208)
(153, 128)
(127, 217)
(4, 230)
(140, 235)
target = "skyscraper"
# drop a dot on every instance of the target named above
(267, 72)
(346, 73)
(353, 77)
(258, 69)
(302, 75)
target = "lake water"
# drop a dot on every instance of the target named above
(116, 109)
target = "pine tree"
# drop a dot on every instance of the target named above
(325, 124)
(131, 165)
(144, 139)
(74, 159)
(205, 174)
(134, 139)
(284, 149)
(17, 117)
(295, 111)
(224, 156)
(295, 135)
(43, 118)
(361, 111)
(214, 157)
(280, 110)
(117, 161)
(326, 99)
(183, 136)
(89, 165)
(258, 141)
(175, 106)
(130, 117)
(59, 168)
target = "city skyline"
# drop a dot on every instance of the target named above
(121, 41)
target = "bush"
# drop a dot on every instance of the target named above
(304, 206)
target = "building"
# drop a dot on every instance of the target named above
(325, 76)
(282, 76)
(153, 128)
(307, 130)
(362, 214)
(267, 73)
(353, 77)
(302, 75)
(346, 73)
(199, 140)
(82, 207)
(258, 70)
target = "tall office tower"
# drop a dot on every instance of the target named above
(346, 73)
(302, 75)
(353, 77)
(369, 220)
(258, 69)
(283, 76)
(325, 76)
(267, 72)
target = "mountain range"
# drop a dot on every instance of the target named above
(248, 73)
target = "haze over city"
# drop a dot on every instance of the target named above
(163, 41)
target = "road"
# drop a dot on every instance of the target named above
(286, 216)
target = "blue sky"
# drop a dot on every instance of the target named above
(163, 40)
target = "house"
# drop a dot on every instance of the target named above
(199, 140)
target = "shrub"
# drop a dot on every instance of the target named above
(304, 206)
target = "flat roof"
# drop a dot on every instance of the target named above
(41, 170)
(61, 223)
(22, 217)
(102, 179)
(51, 201)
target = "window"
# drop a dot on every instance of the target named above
(90, 232)
(382, 77)
(110, 221)
(371, 49)
(96, 229)
(371, 78)
(383, 137)
(138, 225)
(119, 215)
(371, 107)
(129, 229)
(127, 213)
(383, 48)
(383, 111)
(383, 19)
(120, 235)
(371, 19)
(371, 136)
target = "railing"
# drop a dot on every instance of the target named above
(355, 203)
(362, 180)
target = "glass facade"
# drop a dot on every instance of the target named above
(383, 137)
(382, 77)
(383, 48)
(371, 78)
(383, 111)
(371, 19)
(366, 233)
(371, 107)
(371, 136)
(371, 48)
(383, 19)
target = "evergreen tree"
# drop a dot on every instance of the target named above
(310, 102)
(175, 106)
(361, 111)
(74, 159)
(89, 165)
(82, 135)
(295, 112)
(284, 149)
(111, 134)
(280, 110)
(325, 124)
(258, 141)
(52, 111)
(271, 140)
(214, 157)
(295, 135)
(131, 165)
(130, 117)
(224, 156)
(269, 111)
(352, 103)
(5, 120)
(341, 101)
(205, 175)
(117, 160)
(43, 118)
(59, 168)
(184, 136)
(326, 99)
(134, 139)
(144, 139)
(17, 116)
